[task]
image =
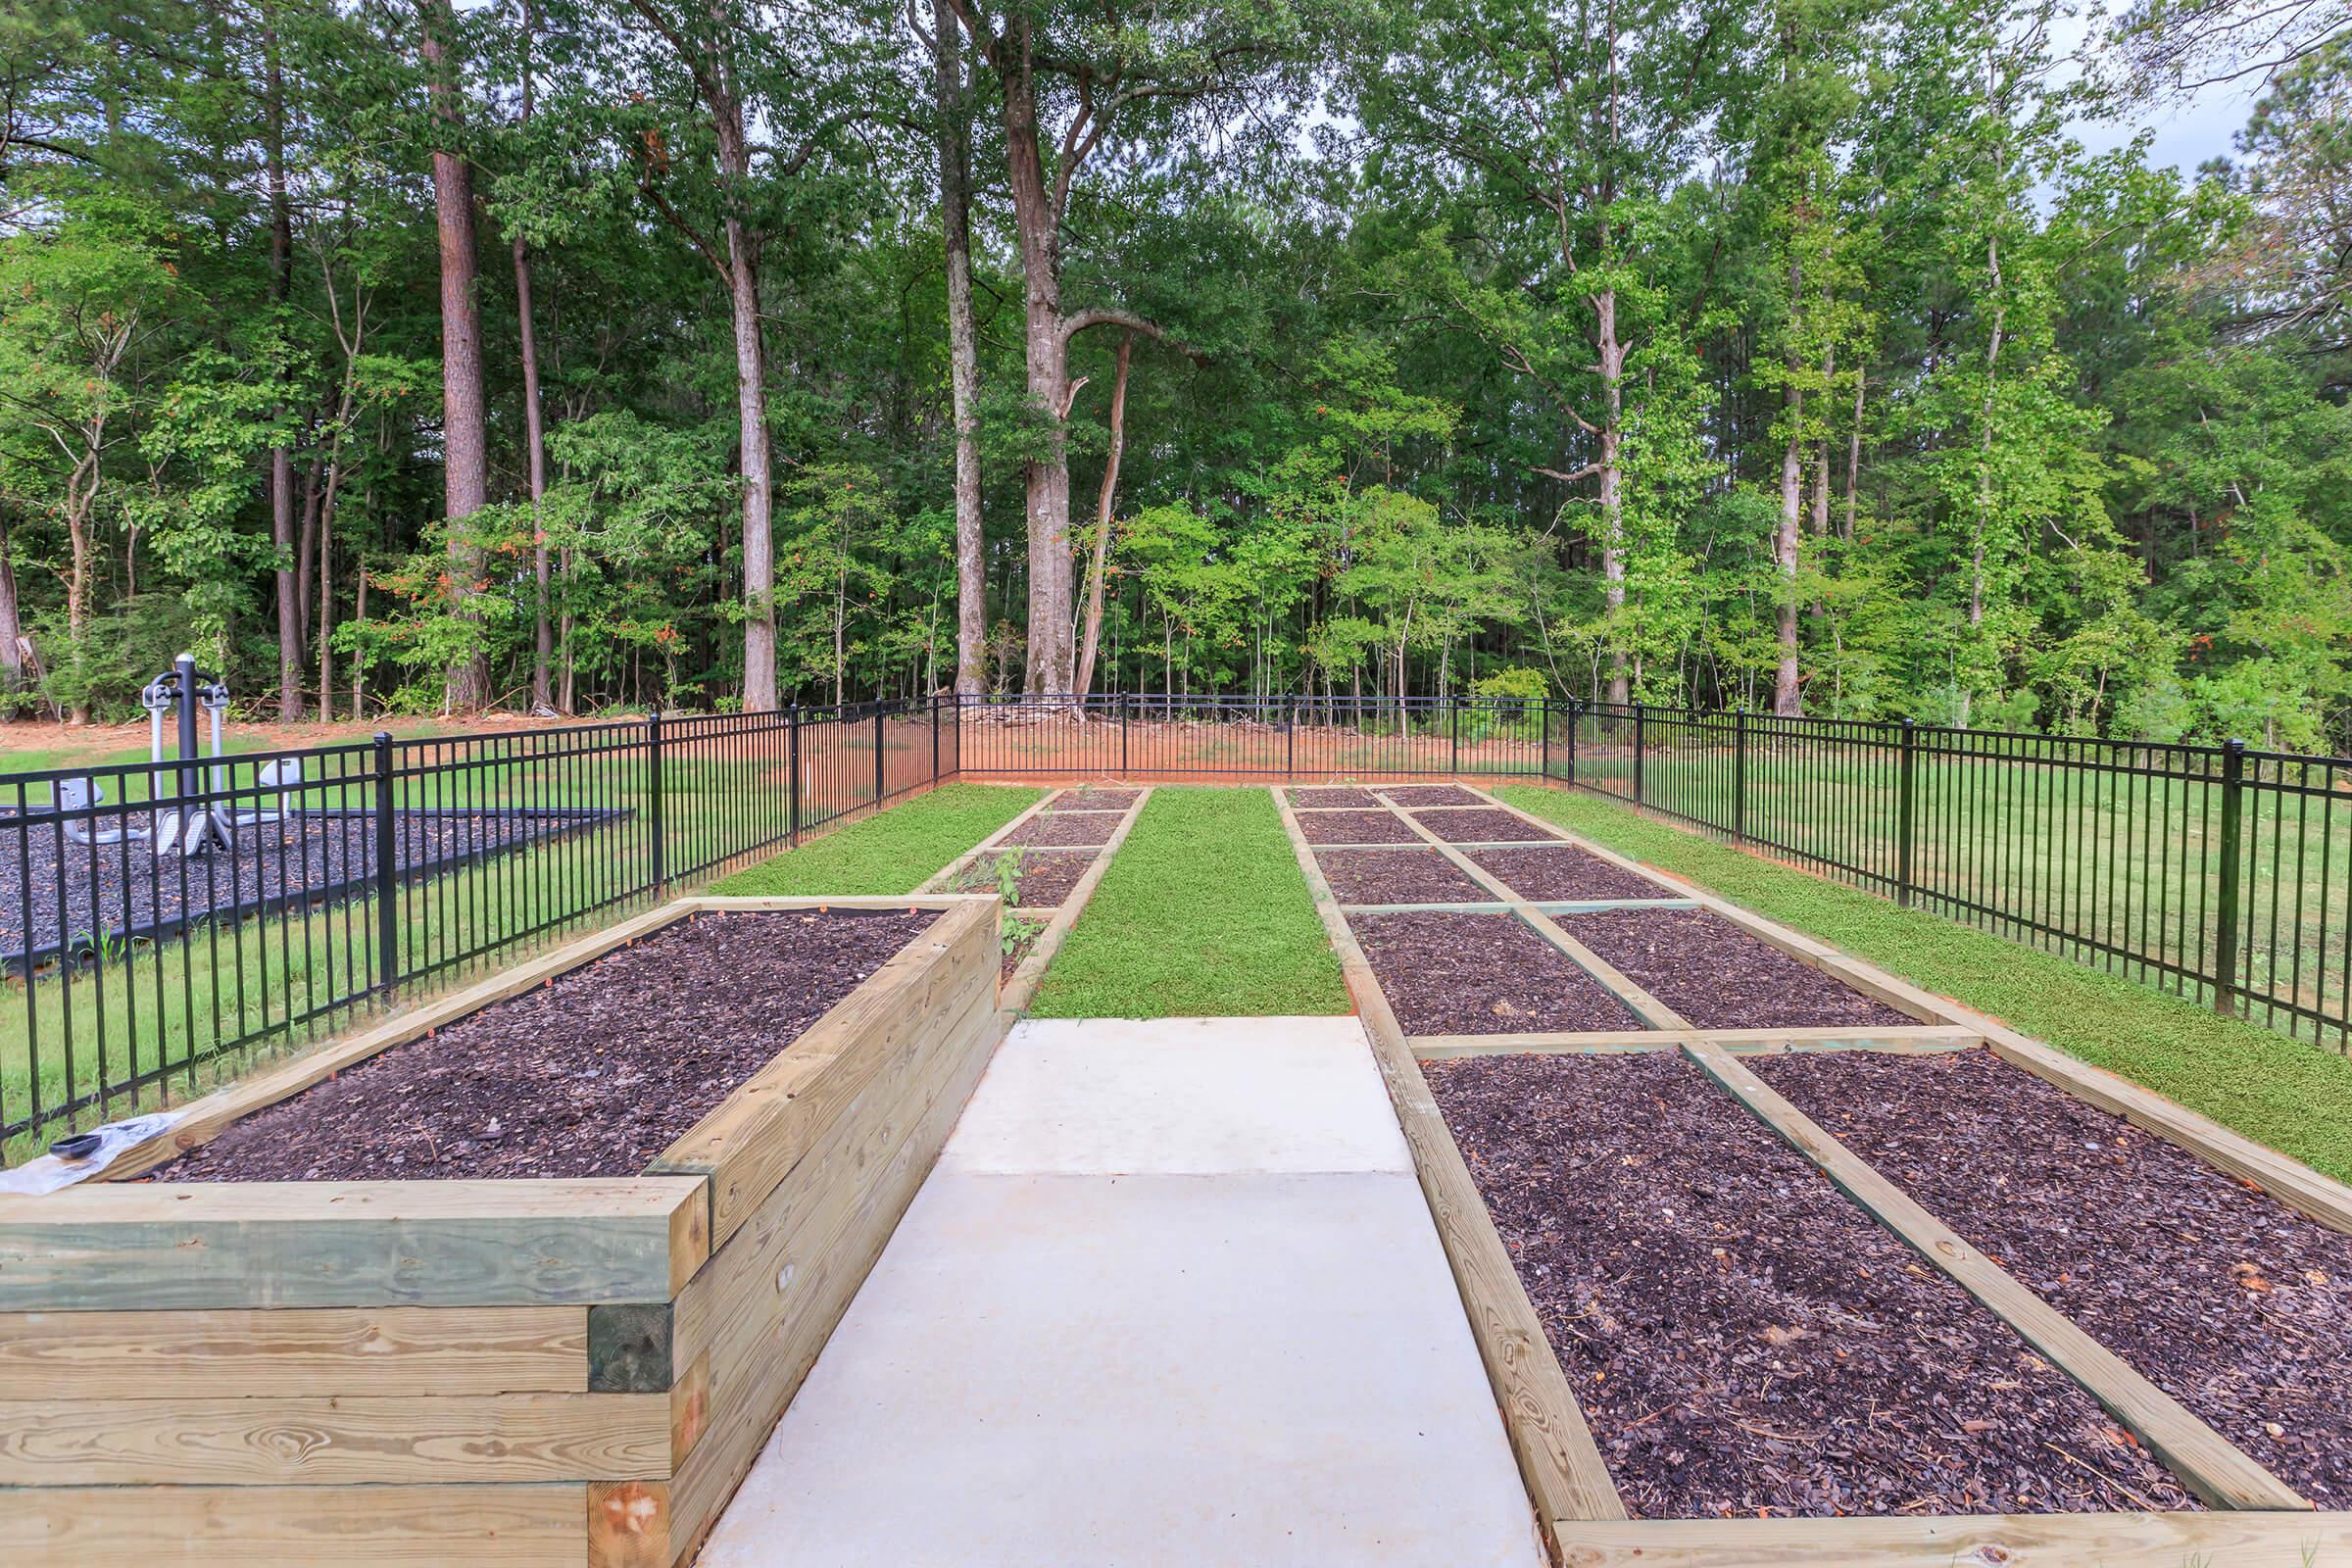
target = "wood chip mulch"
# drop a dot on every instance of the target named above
(1744, 1339)
(1432, 795)
(1718, 976)
(1043, 878)
(1052, 828)
(594, 1075)
(2223, 1297)
(1487, 826)
(1322, 799)
(1357, 827)
(1543, 874)
(1093, 800)
(1481, 974)
(1399, 876)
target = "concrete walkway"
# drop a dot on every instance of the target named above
(1171, 1296)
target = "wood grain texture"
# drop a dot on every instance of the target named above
(1022, 987)
(352, 1243)
(2025, 1541)
(2207, 1463)
(344, 1441)
(293, 1527)
(263, 1354)
(1896, 1039)
(1558, 1461)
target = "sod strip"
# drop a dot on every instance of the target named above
(1021, 987)
(1202, 915)
(892, 851)
(2282, 1093)
(1558, 1461)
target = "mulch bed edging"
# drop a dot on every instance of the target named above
(1321, 799)
(1050, 829)
(2227, 1300)
(1546, 874)
(1413, 795)
(1355, 828)
(1448, 973)
(596, 1074)
(1744, 1339)
(1399, 876)
(1486, 825)
(1719, 977)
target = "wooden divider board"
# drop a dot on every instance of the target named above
(1994, 1540)
(944, 879)
(1920, 1039)
(1558, 1461)
(543, 1525)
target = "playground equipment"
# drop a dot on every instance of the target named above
(185, 829)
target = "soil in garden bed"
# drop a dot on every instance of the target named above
(1541, 874)
(1357, 827)
(1322, 799)
(1043, 877)
(1410, 795)
(1718, 976)
(1487, 826)
(1049, 828)
(1742, 1339)
(1481, 974)
(1088, 798)
(2227, 1300)
(1015, 944)
(1399, 876)
(595, 1075)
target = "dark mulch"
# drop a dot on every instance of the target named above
(1718, 976)
(1321, 799)
(318, 854)
(1357, 827)
(1543, 874)
(1487, 826)
(1093, 800)
(2231, 1302)
(594, 1075)
(1399, 876)
(1481, 974)
(1432, 795)
(1043, 877)
(1066, 828)
(1743, 1338)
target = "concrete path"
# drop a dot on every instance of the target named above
(1171, 1296)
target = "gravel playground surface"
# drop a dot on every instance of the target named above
(1399, 876)
(594, 1075)
(1718, 976)
(2231, 1302)
(1744, 1340)
(1543, 874)
(1481, 974)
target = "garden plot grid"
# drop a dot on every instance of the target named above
(1828, 1270)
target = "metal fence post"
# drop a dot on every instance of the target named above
(792, 773)
(1457, 734)
(1907, 813)
(878, 711)
(1576, 721)
(1124, 719)
(1637, 744)
(1739, 775)
(388, 868)
(653, 797)
(935, 737)
(1290, 743)
(2234, 805)
(1544, 765)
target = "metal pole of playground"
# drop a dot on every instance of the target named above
(191, 779)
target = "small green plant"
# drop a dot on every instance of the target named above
(1018, 932)
(1007, 872)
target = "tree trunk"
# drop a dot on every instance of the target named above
(1093, 635)
(1853, 455)
(281, 458)
(12, 626)
(533, 423)
(1049, 671)
(1611, 353)
(465, 443)
(964, 349)
(1786, 700)
(759, 543)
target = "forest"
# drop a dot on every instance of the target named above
(582, 354)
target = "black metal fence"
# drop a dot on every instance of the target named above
(159, 923)
(332, 877)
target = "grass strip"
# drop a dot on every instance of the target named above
(1202, 913)
(891, 852)
(2294, 1097)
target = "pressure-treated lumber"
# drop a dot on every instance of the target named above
(435, 1526)
(1558, 1458)
(2021, 1541)
(1022, 987)
(944, 879)
(1896, 1039)
(2207, 1463)
(293, 1352)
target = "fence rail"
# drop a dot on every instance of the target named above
(338, 877)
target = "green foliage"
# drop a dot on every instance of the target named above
(890, 853)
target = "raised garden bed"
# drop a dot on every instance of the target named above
(481, 1367)
(1414, 795)
(1399, 876)
(1087, 798)
(1450, 973)
(1065, 829)
(1043, 878)
(1718, 976)
(2235, 1305)
(1486, 825)
(1545, 875)
(1324, 799)
(1744, 1341)
(1357, 827)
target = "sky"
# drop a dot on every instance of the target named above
(2186, 133)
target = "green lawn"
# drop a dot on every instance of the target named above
(891, 852)
(1202, 913)
(2294, 1097)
